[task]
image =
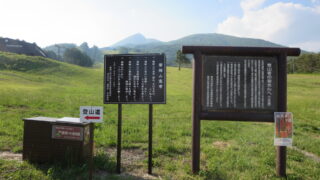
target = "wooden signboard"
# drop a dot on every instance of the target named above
(238, 84)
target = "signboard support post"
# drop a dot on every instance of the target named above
(195, 115)
(119, 138)
(91, 151)
(150, 140)
(282, 107)
(281, 160)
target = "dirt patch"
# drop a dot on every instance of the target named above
(129, 157)
(7, 155)
(221, 144)
(133, 163)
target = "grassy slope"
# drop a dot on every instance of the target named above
(230, 150)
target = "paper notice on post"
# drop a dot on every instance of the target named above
(283, 122)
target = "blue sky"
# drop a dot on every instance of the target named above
(104, 22)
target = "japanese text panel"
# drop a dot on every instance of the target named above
(135, 79)
(239, 83)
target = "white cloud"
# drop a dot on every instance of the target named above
(308, 45)
(251, 4)
(284, 23)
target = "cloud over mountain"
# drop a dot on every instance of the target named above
(285, 23)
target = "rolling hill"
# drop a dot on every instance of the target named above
(138, 43)
(135, 44)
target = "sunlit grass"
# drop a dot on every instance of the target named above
(229, 150)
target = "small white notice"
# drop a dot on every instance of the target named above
(91, 114)
(283, 129)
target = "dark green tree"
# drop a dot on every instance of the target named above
(181, 59)
(75, 56)
(96, 54)
(85, 48)
(306, 63)
(52, 55)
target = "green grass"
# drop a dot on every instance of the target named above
(229, 150)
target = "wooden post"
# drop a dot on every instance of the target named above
(282, 107)
(196, 113)
(281, 161)
(150, 141)
(91, 168)
(119, 138)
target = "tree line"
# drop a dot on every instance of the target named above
(72, 56)
(306, 63)
(81, 55)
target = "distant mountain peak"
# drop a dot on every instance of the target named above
(135, 39)
(138, 34)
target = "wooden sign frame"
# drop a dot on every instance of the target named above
(198, 114)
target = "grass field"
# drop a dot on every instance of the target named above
(229, 150)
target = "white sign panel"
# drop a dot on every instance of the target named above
(283, 129)
(91, 114)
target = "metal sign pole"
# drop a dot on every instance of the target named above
(150, 141)
(91, 151)
(119, 138)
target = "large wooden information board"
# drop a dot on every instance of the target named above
(238, 84)
(135, 79)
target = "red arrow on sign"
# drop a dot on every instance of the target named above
(91, 117)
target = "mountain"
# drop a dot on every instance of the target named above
(210, 39)
(214, 39)
(136, 39)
